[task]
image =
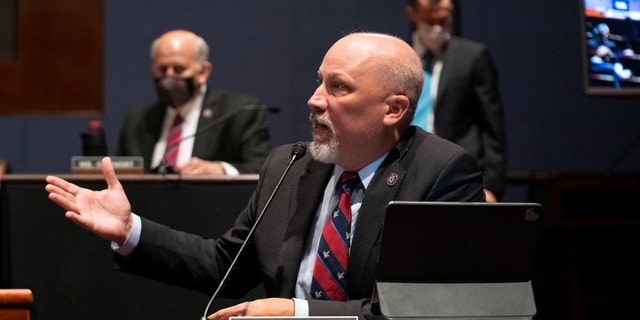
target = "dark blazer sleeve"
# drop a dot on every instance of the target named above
(192, 262)
(469, 109)
(493, 135)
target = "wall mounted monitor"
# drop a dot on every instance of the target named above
(611, 46)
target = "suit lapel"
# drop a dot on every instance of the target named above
(306, 197)
(448, 62)
(366, 242)
(208, 114)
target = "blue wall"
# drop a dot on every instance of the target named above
(272, 50)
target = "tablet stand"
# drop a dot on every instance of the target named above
(505, 300)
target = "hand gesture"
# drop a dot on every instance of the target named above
(106, 213)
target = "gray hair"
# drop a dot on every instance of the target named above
(201, 46)
(402, 72)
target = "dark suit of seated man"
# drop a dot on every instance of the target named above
(231, 131)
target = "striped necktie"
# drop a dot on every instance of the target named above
(173, 142)
(330, 269)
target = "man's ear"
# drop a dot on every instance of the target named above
(397, 108)
(203, 75)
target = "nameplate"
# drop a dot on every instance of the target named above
(93, 165)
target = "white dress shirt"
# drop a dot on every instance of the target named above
(190, 112)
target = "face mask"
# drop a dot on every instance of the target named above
(432, 37)
(175, 91)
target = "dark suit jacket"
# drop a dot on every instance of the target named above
(242, 140)
(427, 167)
(469, 110)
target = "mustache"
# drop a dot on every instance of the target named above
(316, 118)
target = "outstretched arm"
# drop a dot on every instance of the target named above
(106, 213)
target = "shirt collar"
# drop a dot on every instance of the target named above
(365, 174)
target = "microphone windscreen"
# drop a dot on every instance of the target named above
(299, 149)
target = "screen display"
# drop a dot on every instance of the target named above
(611, 46)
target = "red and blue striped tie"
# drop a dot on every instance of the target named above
(173, 146)
(330, 269)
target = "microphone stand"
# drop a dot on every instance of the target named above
(162, 167)
(297, 151)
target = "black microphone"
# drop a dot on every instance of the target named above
(298, 150)
(162, 167)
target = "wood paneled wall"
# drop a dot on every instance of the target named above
(59, 62)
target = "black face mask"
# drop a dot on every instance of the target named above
(175, 91)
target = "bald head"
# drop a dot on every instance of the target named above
(389, 59)
(181, 40)
(183, 56)
(368, 88)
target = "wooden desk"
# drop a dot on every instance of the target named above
(70, 270)
(15, 304)
(3, 167)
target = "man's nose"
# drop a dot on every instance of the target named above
(317, 100)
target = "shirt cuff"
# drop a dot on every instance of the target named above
(301, 307)
(132, 240)
(229, 169)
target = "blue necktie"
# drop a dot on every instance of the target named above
(424, 103)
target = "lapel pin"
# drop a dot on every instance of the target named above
(207, 113)
(392, 179)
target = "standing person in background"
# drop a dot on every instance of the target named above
(461, 102)
(181, 68)
(360, 114)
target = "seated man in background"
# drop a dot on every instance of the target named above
(360, 114)
(234, 136)
(461, 100)
(607, 55)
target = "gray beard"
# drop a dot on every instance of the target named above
(324, 152)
